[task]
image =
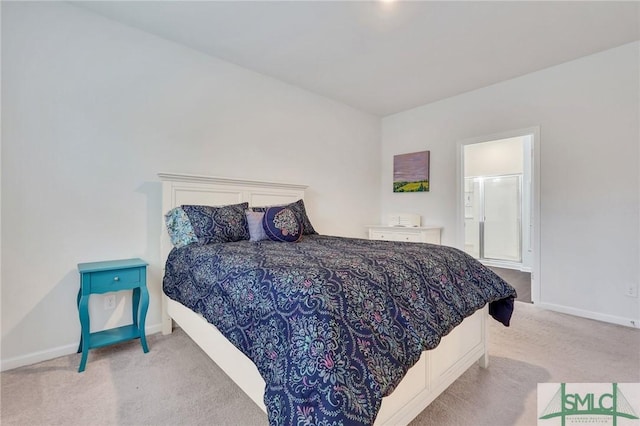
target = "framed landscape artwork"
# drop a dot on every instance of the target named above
(411, 172)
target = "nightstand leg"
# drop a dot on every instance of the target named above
(83, 309)
(135, 305)
(78, 305)
(142, 312)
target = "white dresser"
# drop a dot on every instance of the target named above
(416, 234)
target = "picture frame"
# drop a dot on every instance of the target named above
(411, 172)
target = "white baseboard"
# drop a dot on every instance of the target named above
(35, 357)
(627, 322)
(47, 354)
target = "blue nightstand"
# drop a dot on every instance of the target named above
(103, 277)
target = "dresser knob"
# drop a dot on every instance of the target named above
(116, 278)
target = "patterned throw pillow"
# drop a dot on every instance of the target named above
(254, 223)
(218, 224)
(180, 230)
(281, 224)
(300, 212)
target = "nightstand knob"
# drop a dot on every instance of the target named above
(116, 278)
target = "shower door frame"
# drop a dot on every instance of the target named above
(482, 219)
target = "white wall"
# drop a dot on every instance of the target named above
(495, 158)
(93, 110)
(588, 114)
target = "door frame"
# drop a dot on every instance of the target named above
(536, 287)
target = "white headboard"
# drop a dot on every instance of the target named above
(179, 189)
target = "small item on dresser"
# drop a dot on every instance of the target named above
(104, 277)
(404, 219)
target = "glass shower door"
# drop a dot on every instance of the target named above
(502, 223)
(493, 218)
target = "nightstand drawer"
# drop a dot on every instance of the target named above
(114, 280)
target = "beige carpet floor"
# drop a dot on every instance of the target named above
(177, 384)
(518, 279)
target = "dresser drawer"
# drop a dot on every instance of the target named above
(394, 235)
(380, 235)
(411, 238)
(114, 280)
(416, 234)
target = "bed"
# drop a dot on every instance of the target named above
(432, 371)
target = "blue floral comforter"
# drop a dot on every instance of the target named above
(332, 324)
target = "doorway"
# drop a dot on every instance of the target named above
(499, 204)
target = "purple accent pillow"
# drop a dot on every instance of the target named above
(254, 222)
(218, 224)
(281, 224)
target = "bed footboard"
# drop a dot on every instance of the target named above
(436, 370)
(424, 382)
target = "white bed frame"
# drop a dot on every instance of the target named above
(431, 375)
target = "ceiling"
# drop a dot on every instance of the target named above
(386, 57)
